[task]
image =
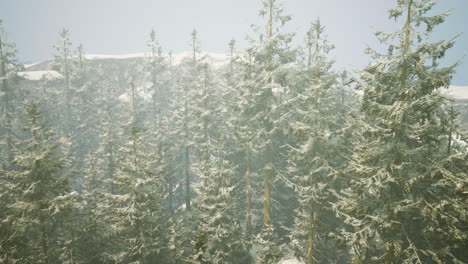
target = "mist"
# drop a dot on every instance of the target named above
(273, 150)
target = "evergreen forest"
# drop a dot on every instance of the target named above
(269, 156)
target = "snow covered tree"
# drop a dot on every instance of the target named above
(405, 197)
(271, 53)
(8, 69)
(244, 134)
(193, 114)
(183, 127)
(220, 238)
(103, 161)
(81, 56)
(236, 97)
(64, 65)
(220, 232)
(92, 238)
(160, 84)
(155, 68)
(203, 114)
(86, 83)
(317, 148)
(138, 202)
(39, 198)
(232, 47)
(75, 109)
(190, 83)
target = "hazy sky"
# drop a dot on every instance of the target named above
(122, 26)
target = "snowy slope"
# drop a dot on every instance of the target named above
(458, 92)
(215, 59)
(128, 61)
(111, 56)
(38, 75)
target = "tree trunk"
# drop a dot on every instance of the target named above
(134, 132)
(310, 244)
(404, 72)
(187, 179)
(186, 160)
(170, 197)
(268, 171)
(309, 59)
(452, 119)
(356, 260)
(389, 255)
(44, 247)
(248, 218)
(67, 88)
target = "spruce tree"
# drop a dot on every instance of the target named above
(75, 109)
(404, 202)
(271, 53)
(39, 198)
(190, 83)
(8, 69)
(138, 202)
(244, 127)
(159, 117)
(63, 63)
(317, 149)
(93, 240)
(220, 236)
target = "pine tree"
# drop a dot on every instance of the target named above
(64, 65)
(92, 239)
(8, 69)
(75, 110)
(220, 235)
(190, 84)
(138, 201)
(241, 117)
(183, 128)
(404, 201)
(203, 115)
(160, 84)
(317, 148)
(40, 198)
(219, 231)
(236, 88)
(155, 68)
(86, 85)
(271, 53)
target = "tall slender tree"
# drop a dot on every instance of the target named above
(159, 82)
(271, 53)
(316, 154)
(8, 69)
(138, 201)
(190, 84)
(64, 65)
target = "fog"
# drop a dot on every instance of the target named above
(266, 152)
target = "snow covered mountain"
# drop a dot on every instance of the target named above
(460, 96)
(126, 64)
(116, 65)
(458, 92)
(38, 75)
(215, 59)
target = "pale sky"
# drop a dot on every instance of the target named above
(122, 26)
